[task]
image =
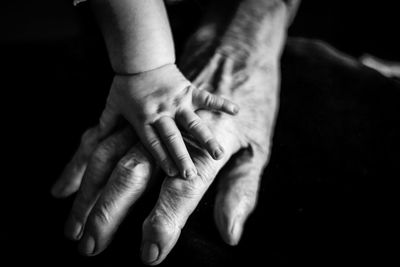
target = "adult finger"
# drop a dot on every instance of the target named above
(156, 148)
(178, 198)
(195, 126)
(207, 100)
(98, 171)
(172, 138)
(127, 183)
(71, 177)
(237, 194)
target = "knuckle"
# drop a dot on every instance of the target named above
(111, 143)
(107, 149)
(100, 155)
(154, 143)
(186, 189)
(161, 222)
(124, 184)
(183, 157)
(102, 214)
(194, 124)
(128, 180)
(205, 179)
(171, 137)
(207, 169)
(208, 99)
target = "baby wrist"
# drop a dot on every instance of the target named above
(134, 72)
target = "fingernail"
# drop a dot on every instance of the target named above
(235, 233)
(235, 109)
(172, 171)
(218, 153)
(190, 174)
(73, 229)
(150, 252)
(87, 245)
(77, 231)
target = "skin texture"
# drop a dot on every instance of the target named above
(155, 103)
(148, 89)
(137, 34)
(111, 174)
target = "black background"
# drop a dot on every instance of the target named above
(315, 205)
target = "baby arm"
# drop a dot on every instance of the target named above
(148, 90)
(137, 34)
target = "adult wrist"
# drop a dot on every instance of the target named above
(258, 28)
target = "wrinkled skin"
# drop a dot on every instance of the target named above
(155, 102)
(111, 174)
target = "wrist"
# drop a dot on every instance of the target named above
(145, 71)
(259, 26)
(142, 66)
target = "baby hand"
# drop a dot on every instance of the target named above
(154, 103)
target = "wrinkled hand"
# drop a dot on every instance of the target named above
(155, 103)
(105, 195)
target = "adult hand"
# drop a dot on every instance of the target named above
(105, 195)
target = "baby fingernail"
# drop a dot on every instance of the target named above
(87, 245)
(169, 168)
(172, 171)
(218, 153)
(150, 252)
(189, 174)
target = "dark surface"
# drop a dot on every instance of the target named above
(327, 195)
